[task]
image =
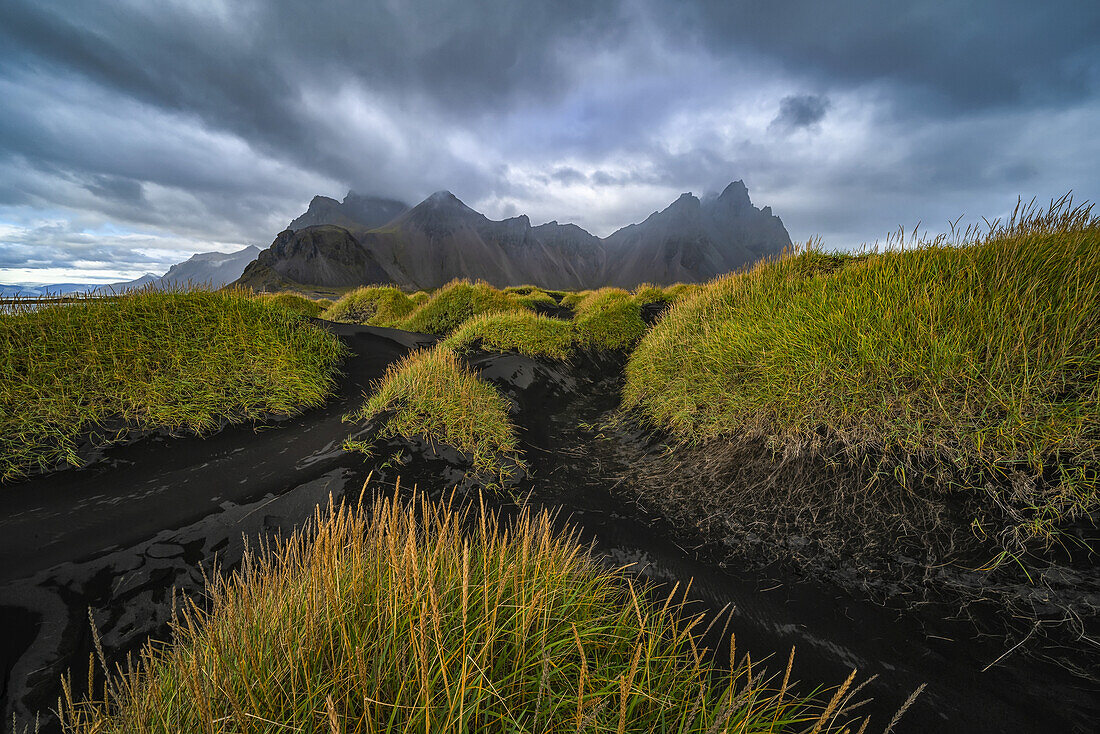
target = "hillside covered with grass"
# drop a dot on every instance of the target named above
(92, 370)
(966, 370)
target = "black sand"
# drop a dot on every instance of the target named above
(124, 535)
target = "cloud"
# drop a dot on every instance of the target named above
(217, 122)
(800, 111)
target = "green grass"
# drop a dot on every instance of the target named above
(373, 305)
(521, 290)
(537, 298)
(608, 319)
(181, 360)
(570, 300)
(410, 619)
(450, 306)
(523, 332)
(978, 363)
(676, 291)
(297, 303)
(649, 293)
(431, 393)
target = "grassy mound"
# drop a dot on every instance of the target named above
(183, 360)
(450, 306)
(430, 393)
(399, 619)
(537, 298)
(373, 305)
(297, 303)
(523, 332)
(676, 291)
(521, 290)
(649, 293)
(608, 319)
(570, 300)
(975, 366)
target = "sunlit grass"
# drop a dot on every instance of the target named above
(649, 293)
(297, 303)
(980, 360)
(432, 394)
(148, 359)
(523, 332)
(373, 305)
(450, 307)
(422, 619)
(608, 319)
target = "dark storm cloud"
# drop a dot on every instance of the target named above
(118, 188)
(215, 121)
(799, 111)
(568, 175)
(964, 55)
(243, 71)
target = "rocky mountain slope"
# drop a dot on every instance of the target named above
(693, 240)
(354, 213)
(347, 243)
(319, 255)
(210, 269)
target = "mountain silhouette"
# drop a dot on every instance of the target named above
(366, 240)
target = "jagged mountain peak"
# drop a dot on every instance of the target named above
(686, 201)
(442, 208)
(441, 238)
(356, 212)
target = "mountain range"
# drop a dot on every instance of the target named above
(213, 269)
(364, 240)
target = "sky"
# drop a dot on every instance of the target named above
(136, 133)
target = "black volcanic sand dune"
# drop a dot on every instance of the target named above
(124, 536)
(365, 240)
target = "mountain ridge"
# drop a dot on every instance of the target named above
(441, 238)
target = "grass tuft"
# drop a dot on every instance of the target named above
(570, 300)
(371, 305)
(422, 618)
(450, 306)
(523, 332)
(608, 319)
(147, 359)
(431, 393)
(297, 303)
(646, 293)
(676, 291)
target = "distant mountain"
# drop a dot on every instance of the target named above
(35, 291)
(348, 243)
(212, 269)
(128, 285)
(693, 240)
